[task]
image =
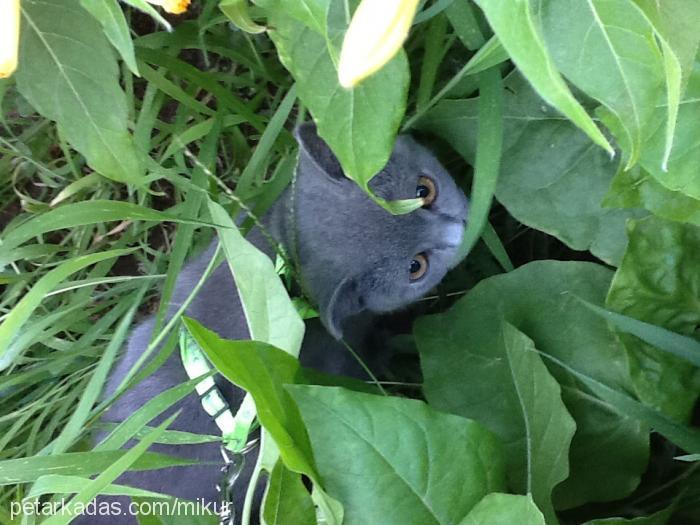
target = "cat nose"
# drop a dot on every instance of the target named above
(453, 233)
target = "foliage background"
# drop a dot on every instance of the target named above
(121, 139)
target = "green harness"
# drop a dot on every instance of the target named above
(235, 428)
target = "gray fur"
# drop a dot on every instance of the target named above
(354, 257)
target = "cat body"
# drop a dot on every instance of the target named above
(352, 256)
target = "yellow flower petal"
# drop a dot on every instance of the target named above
(377, 31)
(175, 7)
(9, 36)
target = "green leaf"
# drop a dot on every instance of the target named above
(169, 437)
(675, 23)
(69, 73)
(402, 461)
(504, 509)
(488, 157)
(261, 370)
(552, 178)
(659, 518)
(682, 346)
(89, 396)
(80, 214)
(635, 188)
(359, 125)
(253, 175)
(269, 312)
(132, 425)
(110, 15)
(467, 372)
(686, 437)
(460, 13)
(105, 478)
(287, 502)
(312, 13)
(518, 30)
(58, 484)
(237, 12)
(548, 427)
(690, 458)
(659, 282)
(147, 8)
(20, 314)
(682, 174)
(609, 50)
(83, 464)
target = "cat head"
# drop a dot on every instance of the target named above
(354, 255)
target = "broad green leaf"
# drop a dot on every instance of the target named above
(395, 461)
(269, 312)
(682, 173)
(548, 427)
(12, 324)
(287, 502)
(312, 13)
(659, 282)
(504, 509)
(635, 188)
(517, 28)
(261, 370)
(83, 464)
(359, 125)
(552, 178)
(69, 73)
(609, 50)
(467, 372)
(110, 15)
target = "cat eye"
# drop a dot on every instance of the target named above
(426, 190)
(419, 265)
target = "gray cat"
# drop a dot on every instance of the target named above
(353, 257)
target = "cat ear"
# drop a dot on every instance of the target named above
(317, 151)
(346, 301)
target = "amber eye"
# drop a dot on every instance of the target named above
(426, 190)
(419, 265)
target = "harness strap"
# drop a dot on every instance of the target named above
(234, 428)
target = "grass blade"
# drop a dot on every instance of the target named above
(488, 157)
(28, 470)
(94, 487)
(679, 345)
(10, 328)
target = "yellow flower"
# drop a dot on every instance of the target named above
(377, 31)
(9, 36)
(175, 7)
